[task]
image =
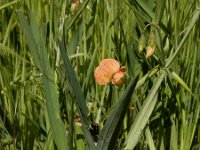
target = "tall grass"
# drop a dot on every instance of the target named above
(49, 97)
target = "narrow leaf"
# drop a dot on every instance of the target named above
(114, 121)
(144, 114)
(50, 88)
(80, 99)
(180, 80)
(189, 29)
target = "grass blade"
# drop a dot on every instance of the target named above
(174, 136)
(38, 50)
(147, 9)
(179, 80)
(144, 114)
(150, 139)
(115, 118)
(189, 29)
(80, 99)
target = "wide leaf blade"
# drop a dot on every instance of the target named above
(38, 50)
(80, 99)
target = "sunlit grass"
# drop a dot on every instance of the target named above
(49, 97)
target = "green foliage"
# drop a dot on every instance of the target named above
(39, 52)
(49, 97)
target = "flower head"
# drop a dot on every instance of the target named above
(109, 70)
(149, 51)
(117, 78)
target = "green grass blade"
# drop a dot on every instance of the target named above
(147, 76)
(144, 114)
(50, 88)
(189, 29)
(6, 52)
(145, 6)
(80, 99)
(30, 40)
(90, 69)
(193, 123)
(115, 118)
(149, 138)
(174, 134)
(180, 80)
(9, 4)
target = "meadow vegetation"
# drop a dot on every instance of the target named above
(48, 94)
